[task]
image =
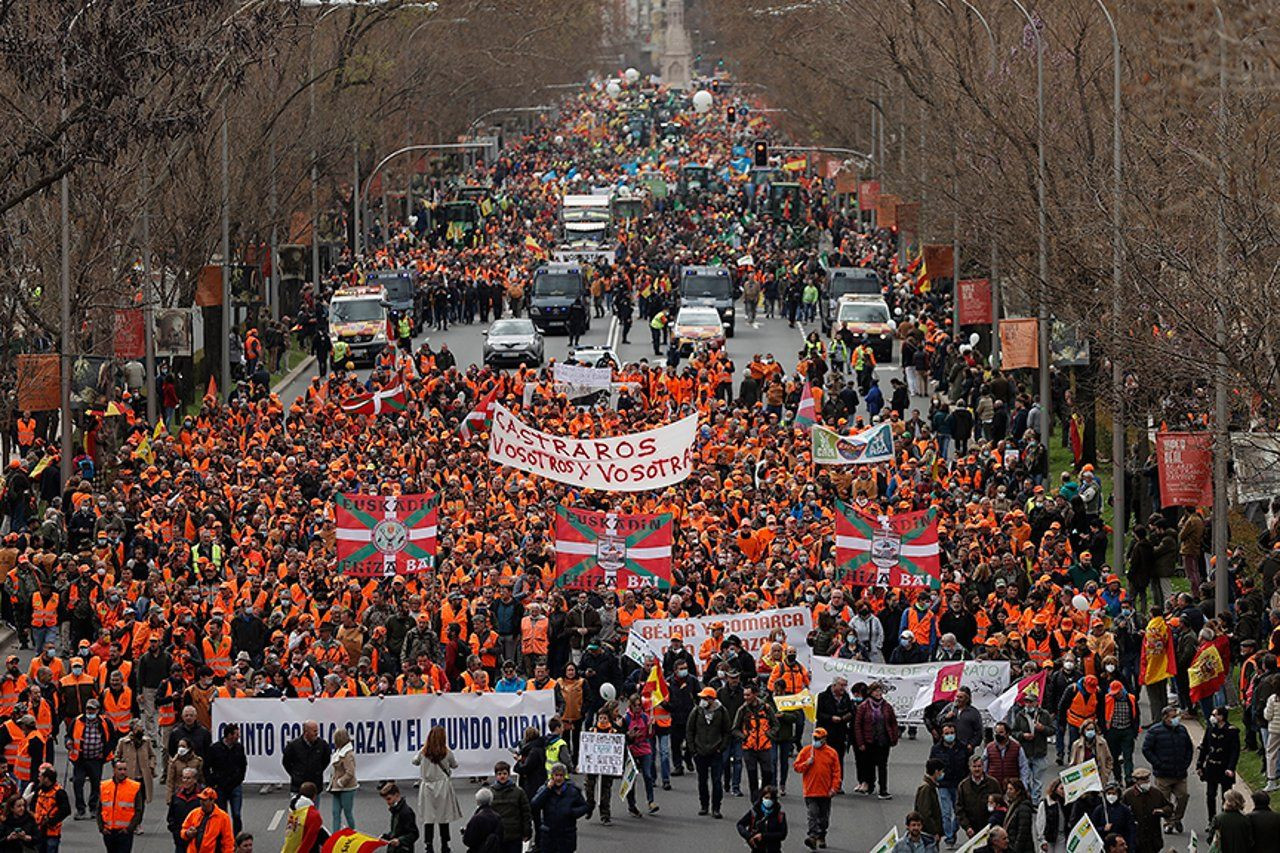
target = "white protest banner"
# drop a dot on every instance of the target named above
(652, 635)
(1080, 780)
(652, 459)
(601, 753)
(387, 732)
(977, 841)
(890, 840)
(1084, 838)
(583, 377)
(902, 683)
(629, 774)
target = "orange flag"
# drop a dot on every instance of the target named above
(211, 393)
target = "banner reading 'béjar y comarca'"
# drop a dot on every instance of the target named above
(653, 635)
(387, 732)
(652, 459)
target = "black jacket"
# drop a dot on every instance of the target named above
(306, 762)
(404, 824)
(1020, 824)
(484, 831)
(1219, 751)
(1266, 830)
(512, 805)
(225, 766)
(558, 810)
(772, 828)
(1168, 750)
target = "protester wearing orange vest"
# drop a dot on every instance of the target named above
(819, 768)
(208, 828)
(534, 639)
(122, 804)
(52, 807)
(217, 651)
(88, 748)
(119, 706)
(1081, 703)
(36, 750)
(12, 685)
(26, 433)
(44, 616)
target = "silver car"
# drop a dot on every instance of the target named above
(514, 340)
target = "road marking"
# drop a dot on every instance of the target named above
(275, 821)
(612, 339)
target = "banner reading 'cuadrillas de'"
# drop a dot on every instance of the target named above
(652, 459)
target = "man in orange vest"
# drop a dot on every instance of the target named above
(51, 808)
(119, 706)
(44, 616)
(534, 641)
(88, 748)
(26, 433)
(122, 803)
(208, 828)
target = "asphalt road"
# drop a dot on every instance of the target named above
(767, 336)
(857, 822)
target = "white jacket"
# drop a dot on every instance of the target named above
(1272, 714)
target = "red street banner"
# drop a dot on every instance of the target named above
(619, 550)
(128, 340)
(868, 195)
(888, 550)
(1185, 463)
(939, 260)
(39, 382)
(973, 304)
(384, 535)
(1019, 343)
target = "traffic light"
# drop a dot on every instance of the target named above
(731, 115)
(761, 153)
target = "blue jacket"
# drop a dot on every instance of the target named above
(1169, 751)
(558, 809)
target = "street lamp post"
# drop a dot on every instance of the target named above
(226, 258)
(1042, 312)
(1117, 257)
(1222, 443)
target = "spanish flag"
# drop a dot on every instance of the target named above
(41, 465)
(1157, 662)
(654, 691)
(533, 246)
(1207, 672)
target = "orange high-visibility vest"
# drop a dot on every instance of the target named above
(17, 739)
(22, 767)
(1082, 708)
(118, 709)
(46, 808)
(44, 613)
(77, 737)
(118, 800)
(10, 688)
(533, 636)
(218, 658)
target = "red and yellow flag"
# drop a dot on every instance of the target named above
(1207, 672)
(654, 691)
(1157, 662)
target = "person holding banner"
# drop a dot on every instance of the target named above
(1113, 817)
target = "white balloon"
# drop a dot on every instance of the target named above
(974, 338)
(613, 90)
(702, 100)
(631, 74)
(559, 139)
(1080, 603)
(608, 692)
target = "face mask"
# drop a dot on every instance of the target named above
(991, 807)
(682, 672)
(1002, 738)
(1089, 733)
(766, 803)
(1068, 665)
(949, 738)
(1144, 786)
(1174, 720)
(182, 750)
(706, 703)
(818, 743)
(76, 670)
(904, 642)
(91, 715)
(1112, 798)
(1111, 667)
(808, 596)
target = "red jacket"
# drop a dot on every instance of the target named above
(863, 727)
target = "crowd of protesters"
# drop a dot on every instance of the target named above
(195, 562)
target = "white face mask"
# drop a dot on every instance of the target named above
(1112, 799)
(182, 750)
